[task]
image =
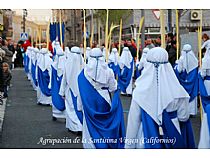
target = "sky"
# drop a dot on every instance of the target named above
(38, 15)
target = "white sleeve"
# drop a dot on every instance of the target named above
(204, 45)
(204, 133)
(112, 82)
(50, 74)
(36, 72)
(133, 124)
(63, 85)
(140, 66)
(79, 103)
(203, 70)
(137, 62)
(29, 67)
(183, 109)
(133, 70)
(180, 65)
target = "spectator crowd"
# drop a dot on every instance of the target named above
(11, 55)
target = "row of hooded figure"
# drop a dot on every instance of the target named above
(88, 96)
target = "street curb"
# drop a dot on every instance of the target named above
(2, 113)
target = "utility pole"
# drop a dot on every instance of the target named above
(89, 31)
(75, 25)
(169, 20)
(143, 30)
(91, 12)
(25, 13)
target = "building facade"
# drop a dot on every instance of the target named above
(31, 28)
(187, 23)
(73, 27)
(70, 18)
(6, 29)
(74, 24)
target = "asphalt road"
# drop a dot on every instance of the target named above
(28, 125)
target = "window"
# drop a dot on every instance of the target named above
(44, 34)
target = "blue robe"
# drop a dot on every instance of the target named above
(78, 113)
(205, 97)
(189, 81)
(26, 63)
(103, 121)
(125, 78)
(33, 73)
(115, 68)
(151, 130)
(57, 100)
(43, 82)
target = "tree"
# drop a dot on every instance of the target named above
(114, 15)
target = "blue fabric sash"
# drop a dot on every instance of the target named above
(125, 78)
(151, 130)
(115, 68)
(207, 109)
(187, 133)
(79, 113)
(205, 97)
(207, 78)
(33, 73)
(26, 63)
(54, 54)
(57, 100)
(189, 82)
(43, 82)
(103, 121)
(138, 72)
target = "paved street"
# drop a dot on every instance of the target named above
(28, 125)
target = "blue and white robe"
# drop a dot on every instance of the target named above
(43, 76)
(125, 79)
(58, 103)
(143, 131)
(190, 83)
(205, 125)
(29, 65)
(115, 68)
(103, 123)
(26, 62)
(140, 64)
(34, 70)
(74, 116)
(33, 75)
